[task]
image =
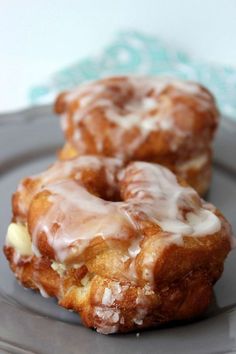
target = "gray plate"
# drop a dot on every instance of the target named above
(32, 324)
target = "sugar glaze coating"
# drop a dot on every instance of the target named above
(128, 247)
(149, 192)
(131, 108)
(152, 119)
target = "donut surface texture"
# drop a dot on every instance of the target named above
(128, 246)
(166, 121)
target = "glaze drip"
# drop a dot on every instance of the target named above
(150, 193)
(80, 218)
(62, 170)
(132, 107)
(174, 208)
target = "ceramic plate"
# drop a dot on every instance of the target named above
(32, 324)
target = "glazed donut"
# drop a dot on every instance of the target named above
(126, 247)
(84, 169)
(170, 122)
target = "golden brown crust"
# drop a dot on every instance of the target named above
(180, 301)
(114, 288)
(198, 176)
(130, 307)
(186, 120)
(86, 170)
(127, 245)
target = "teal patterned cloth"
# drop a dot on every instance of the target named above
(137, 53)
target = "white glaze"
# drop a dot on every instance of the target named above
(85, 280)
(42, 290)
(178, 210)
(107, 298)
(114, 292)
(169, 204)
(81, 218)
(140, 315)
(109, 318)
(134, 248)
(151, 191)
(61, 170)
(195, 163)
(137, 321)
(60, 268)
(141, 110)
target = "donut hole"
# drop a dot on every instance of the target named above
(110, 193)
(113, 196)
(102, 185)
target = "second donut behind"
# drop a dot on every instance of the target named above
(170, 122)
